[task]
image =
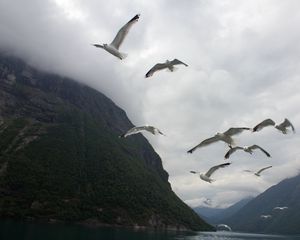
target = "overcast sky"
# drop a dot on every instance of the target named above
(244, 67)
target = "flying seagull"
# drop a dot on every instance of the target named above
(225, 137)
(114, 46)
(284, 125)
(248, 149)
(265, 216)
(259, 171)
(136, 130)
(160, 66)
(207, 201)
(223, 227)
(280, 208)
(263, 124)
(206, 176)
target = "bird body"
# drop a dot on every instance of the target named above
(206, 176)
(222, 227)
(248, 149)
(167, 65)
(225, 137)
(111, 49)
(114, 46)
(136, 130)
(280, 208)
(265, 216)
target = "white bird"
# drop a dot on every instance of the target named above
(136, 130)
(248, 149)
(284, 125)
(265, 216)
(114, 46)
(263, 124)
(207, 201)
(160, 66)
(225, 137)
(280, 208)
(259, 171)
(206, 176)
(223, 227)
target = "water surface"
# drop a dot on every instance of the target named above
(13, 230)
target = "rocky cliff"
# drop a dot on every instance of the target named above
(61, 158)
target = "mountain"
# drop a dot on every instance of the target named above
(61, 158)
(285, 193)
(227, 212)
(208, 213)
(217, 215)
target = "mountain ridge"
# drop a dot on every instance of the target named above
(285, 193)
(217, 215)
(61, 158)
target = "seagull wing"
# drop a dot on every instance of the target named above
(176, 62)
(232, 131)
(204, 143)
(155, 68)
(260, 148)
(264, 123)
(263, 169)
(231, 151)
(116, 43)
(213, 169)
(286, 123)
(133, 130)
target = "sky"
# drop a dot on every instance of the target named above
(244, 67)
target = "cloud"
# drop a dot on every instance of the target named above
(243, 68)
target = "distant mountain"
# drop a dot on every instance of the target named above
(285, 193)
(228, 212)
(61, 158)
(208, 212)
(217, 215)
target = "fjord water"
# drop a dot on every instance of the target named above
(14, 230)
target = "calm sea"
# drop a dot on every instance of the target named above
(12, 230)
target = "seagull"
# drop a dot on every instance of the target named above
(207, 201)
(284, 125)
(265, 216)
(280, 208)
(248, 149)
(264, 123)
(160, 66)
(114, 46)
(136, 130)
(225, 137)
(206, 176)
(259, 171)
(223, 227)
